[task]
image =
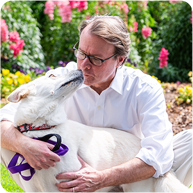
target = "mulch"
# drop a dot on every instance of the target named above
(179, 115)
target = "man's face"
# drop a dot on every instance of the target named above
(98, 78)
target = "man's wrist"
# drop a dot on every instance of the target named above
(107, 178)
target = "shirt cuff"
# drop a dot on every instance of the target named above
(146, 156)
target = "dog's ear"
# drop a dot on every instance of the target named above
(19, 93)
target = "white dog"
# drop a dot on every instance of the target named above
(41, 103)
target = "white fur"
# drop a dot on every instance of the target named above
(101, 148)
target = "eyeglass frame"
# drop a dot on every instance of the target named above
(88, 56)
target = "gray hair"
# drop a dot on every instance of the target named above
(112, 29)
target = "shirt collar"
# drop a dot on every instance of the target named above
(116, 84)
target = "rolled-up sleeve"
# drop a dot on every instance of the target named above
(157, 147)
(7, 113)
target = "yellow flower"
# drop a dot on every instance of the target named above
(181, 90)
(159, 81)
(12, 75)
(0, 75)
(15, 82)
(5, 90)
(189, 90)
(5, 72)
(190, 73)
(18, 73)
(27, 78)
(9, 81)
(21, 81)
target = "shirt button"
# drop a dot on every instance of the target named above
(99, 107)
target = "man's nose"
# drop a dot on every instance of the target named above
(86, 63)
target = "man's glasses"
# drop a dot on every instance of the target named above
(95, 61)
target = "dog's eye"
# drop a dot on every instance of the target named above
(51, 75)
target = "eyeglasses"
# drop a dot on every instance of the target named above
(94, 60)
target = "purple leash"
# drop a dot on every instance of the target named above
(59, 148)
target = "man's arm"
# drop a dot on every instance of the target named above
(37, 153)
(89, 179)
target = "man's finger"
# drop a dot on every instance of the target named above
(83, 163)
(70, 175)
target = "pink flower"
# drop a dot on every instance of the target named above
(173, 1)
(191, 19)
(14, 36)
(4, 31)
(49, 9)
(74, 4)
(65, 12)
(130, 28)
(108, 2)
(58, 3)
(178, 82)
(135, 24)
(96, 9)
(20, 44)
(87, 17)
(82, 5)
(125, 8)
(145, 4)
(17, 47)
(146, 32)
(163, 57)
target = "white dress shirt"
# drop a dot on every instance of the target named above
(134, 102)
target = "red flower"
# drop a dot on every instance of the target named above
(14, 36)
(163, 57)
(135, 24)
(17, 47)
(4, 31)
(146, 32)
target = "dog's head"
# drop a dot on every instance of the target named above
(49, 87)
(42, 98)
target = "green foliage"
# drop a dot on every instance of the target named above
(7, 182)
(18, 17)
(138, 13)
(58, 38)
(174, 33)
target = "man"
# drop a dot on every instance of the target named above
(122, 98)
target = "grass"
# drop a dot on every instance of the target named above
(10, 185)
(7, 183)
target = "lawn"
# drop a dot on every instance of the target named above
(11, 187)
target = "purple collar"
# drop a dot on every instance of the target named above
(60, 150)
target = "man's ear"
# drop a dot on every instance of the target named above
(121, 60)
(19, 93)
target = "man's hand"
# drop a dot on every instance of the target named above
(38, 154)
(87, 179)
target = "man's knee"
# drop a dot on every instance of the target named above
(187, 138)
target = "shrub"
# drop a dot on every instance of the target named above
(18, 17)
(174, 33)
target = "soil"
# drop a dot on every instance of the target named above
(179, 115)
